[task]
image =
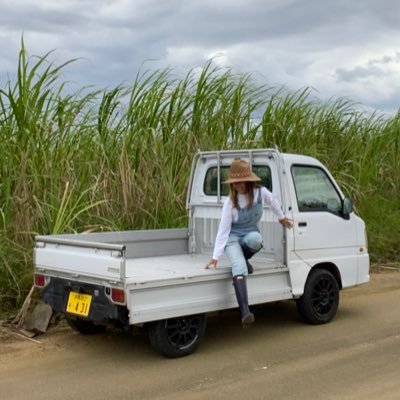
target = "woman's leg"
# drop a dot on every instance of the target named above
(240, 285)
(234, 252)
(251, 244)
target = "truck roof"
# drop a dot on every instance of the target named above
(300, 159)
(287, 157)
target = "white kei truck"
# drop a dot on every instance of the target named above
(156, 279)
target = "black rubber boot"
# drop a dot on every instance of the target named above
(239, 283)
(248, 253)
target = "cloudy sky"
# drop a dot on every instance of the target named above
(340, 48)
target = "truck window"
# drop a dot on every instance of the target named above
(314, 190)
(210, 186)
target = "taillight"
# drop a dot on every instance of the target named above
(118, 295)
(41, 280)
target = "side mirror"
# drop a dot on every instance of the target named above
(347, 207)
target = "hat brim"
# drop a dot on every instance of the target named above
(252, 178)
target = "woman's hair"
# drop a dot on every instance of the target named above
(249, 192)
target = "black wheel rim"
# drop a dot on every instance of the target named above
(182, 332)
(323, 297)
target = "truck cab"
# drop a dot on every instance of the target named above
(326, 232)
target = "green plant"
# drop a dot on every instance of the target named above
(120, 158)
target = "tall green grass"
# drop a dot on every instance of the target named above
(119, 158)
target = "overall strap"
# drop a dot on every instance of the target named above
(259, 200)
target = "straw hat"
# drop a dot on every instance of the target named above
(241, 172)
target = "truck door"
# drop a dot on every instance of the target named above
(321, 232)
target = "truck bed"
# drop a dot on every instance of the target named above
(152, 270)
(161, 279)
(169, 286)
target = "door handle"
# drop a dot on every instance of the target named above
(302, 224)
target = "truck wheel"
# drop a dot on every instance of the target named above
(177, 337)
(320, 300)
(85, 327)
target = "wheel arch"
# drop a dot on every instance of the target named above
(332, 268)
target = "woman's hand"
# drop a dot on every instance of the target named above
(286, 222)
(212, 264)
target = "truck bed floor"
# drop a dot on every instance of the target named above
(186, 266)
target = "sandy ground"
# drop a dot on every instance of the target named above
(357, 356)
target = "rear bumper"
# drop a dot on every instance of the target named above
(102, 309)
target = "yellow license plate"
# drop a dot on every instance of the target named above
(79, 304)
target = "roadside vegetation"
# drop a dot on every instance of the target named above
(119, 158)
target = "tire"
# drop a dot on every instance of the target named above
(177, 337)
(320, 300)
(85, 327)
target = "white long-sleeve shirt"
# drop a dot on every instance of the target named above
(230, 214)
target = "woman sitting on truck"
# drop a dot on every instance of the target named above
(238, 232)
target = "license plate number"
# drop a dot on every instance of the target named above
(79, 304)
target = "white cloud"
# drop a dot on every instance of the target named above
(341, 48)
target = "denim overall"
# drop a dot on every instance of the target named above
(244, 231)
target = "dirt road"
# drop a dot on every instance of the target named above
(357, 356)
